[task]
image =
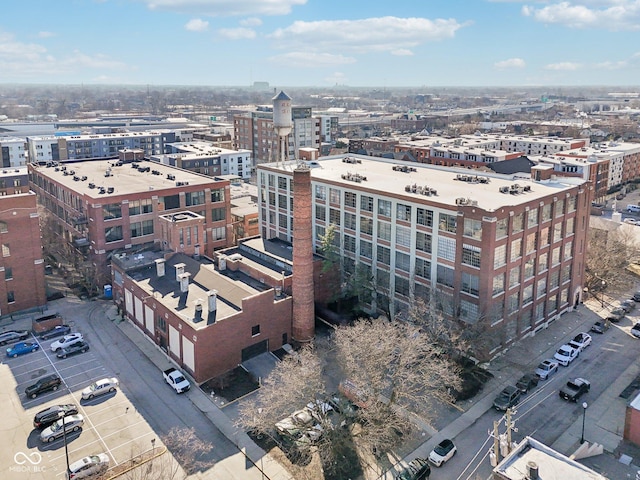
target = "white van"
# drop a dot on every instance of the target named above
(633, 208)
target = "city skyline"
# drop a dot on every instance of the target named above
(313, 43)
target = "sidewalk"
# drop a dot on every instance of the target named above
(255, 455)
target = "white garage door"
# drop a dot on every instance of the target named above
(148, 320)
(187, 354)
(128, 301)
(174, 341)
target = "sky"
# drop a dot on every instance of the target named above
(321, 43)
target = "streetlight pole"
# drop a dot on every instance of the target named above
(603, 284)
(66, 450)
(584, 414)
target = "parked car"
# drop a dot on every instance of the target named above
(102, 386)
(635, 330)
(417, 469)
(546, 368)
(616, 314)
(601, 326)
(43, 384)
(66, 341)
(72, 423)
(301, 427)
(509, 397)
(13, 336)
(443, 452)
(527, 382)
(21, 348)
(566, 354)
(574, 389)
(631, 221)
(79, 347)
(46, 417)
(628, 305)
(636, 297)
(581, 341)
(89, 467)
(57, 331)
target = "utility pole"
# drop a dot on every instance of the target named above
(508, 425)
(496, 441)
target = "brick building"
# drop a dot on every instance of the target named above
(21, 264)
(101, 208)
(210, 318)
(503, 253)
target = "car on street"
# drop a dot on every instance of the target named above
(508, 397)
(13, 336)
(574, 389)
(546, 368)
(527, 382)
(566, 354)
(636, 297)
(66, 341)
(631, 221)
(79, 347)
(100, 387)
(581, 341)
(616, 314)
(43, 384)
(91, 466)
(417, 469)
(46, 417)
(442, 453)
(57, 331)
(635, 330)
(601, 326)
(21, 348)
(628, 305)
(72, 423)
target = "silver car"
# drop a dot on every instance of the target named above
(72, 423)
(100, 387)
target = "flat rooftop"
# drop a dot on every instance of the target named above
(378, 175)
(124, 179)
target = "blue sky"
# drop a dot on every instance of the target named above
(383, 43)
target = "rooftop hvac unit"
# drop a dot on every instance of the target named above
(461, 201)
(503, 189)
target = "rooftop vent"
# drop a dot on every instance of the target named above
(404, 168)
(354, 177)
(351, 160)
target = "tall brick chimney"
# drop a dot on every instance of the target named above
(302, 287)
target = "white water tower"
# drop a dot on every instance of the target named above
(282, 122)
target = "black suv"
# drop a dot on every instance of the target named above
(49, 382)
(48, 416)
(508, 398)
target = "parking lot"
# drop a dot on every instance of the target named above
(111, 423)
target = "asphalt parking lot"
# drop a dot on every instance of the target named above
(111, 423)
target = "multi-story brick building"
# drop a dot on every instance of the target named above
(13, 152)
(503, 253)
(21, 265)
(99, 208)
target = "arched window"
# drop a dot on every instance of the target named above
(3, 227)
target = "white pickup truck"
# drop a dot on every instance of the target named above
(175, 378)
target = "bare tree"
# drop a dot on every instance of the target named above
(609, 253)
(389, 367)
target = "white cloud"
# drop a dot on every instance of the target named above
(237, 33)
(226, 8)
(311, 60)
(402, 52)
(30, 60)
(197, 25)
(566, 66)
(383, 34)
(46, 34)
(601, 14)
(510, 63)
(251, 22)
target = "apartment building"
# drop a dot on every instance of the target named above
(502, 252)
(22, 284)
(207, 159)
(101, 208)
(101, 145)
(13, 152)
